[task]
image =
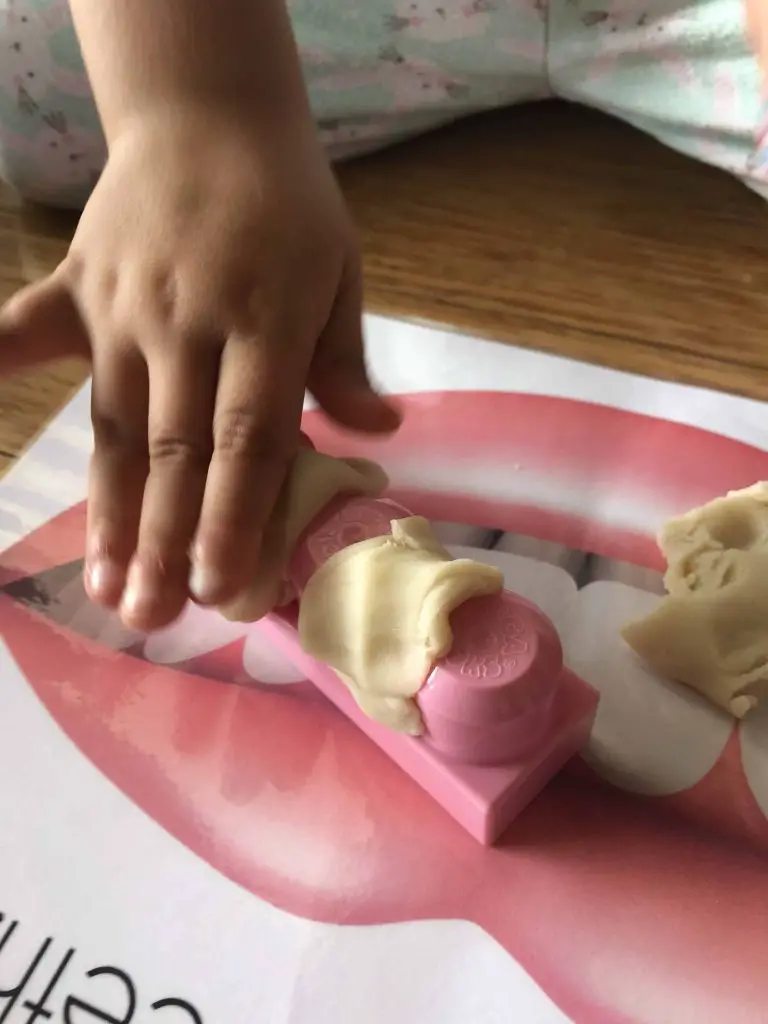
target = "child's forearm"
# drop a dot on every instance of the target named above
(145, 57)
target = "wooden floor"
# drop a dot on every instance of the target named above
(547, 226)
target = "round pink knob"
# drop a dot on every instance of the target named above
(489, 701)
(344, 522)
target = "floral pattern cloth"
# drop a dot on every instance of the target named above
(379, 71)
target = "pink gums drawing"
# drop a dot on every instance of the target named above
(629, 898)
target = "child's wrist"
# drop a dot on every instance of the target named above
(198, 132)
(236, 59)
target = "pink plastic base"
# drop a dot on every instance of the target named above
(484, 799)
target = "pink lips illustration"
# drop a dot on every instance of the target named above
(641, 908)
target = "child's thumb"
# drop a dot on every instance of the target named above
(40, 322)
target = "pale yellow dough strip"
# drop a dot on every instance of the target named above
(314, 481)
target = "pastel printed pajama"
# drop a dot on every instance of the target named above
(381, 70)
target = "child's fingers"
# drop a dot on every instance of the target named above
(255, 434)
(182, 392)
(119, 396)
(338, 377)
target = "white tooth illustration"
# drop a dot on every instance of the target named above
(196, 632)
(458, 533)
(72, 609)
(610, 570)
(266, 664)
(550, 588)
(543, 551)
(753, 733)
(650, 736)
(200, 631)
(105, 627)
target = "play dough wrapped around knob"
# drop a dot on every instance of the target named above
(376, 611)
(460, 682)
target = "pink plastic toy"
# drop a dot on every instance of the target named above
(501, 713)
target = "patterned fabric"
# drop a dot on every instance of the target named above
(681, 71)
(381, 70)
(51, 145)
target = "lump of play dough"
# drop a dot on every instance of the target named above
(378, 613)
(697, 546)
(711, 631)
(314, 480)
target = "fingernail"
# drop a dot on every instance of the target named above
(137, 595)
(105, 579)
(204, 583)
(253, 604)
(232, 612)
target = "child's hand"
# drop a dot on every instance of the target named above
(215, 276)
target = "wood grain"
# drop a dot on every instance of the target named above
(547, 226)
(562, 230)
(32, 242)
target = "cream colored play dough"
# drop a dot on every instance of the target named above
(314, 480)
(378, 613)
(711, 631)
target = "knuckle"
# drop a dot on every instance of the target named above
(107, 285)
(188, 314)
(164, 290)
(111, 434)
(72, 267)
(241, 433)
(174, 448)
(134, 299)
